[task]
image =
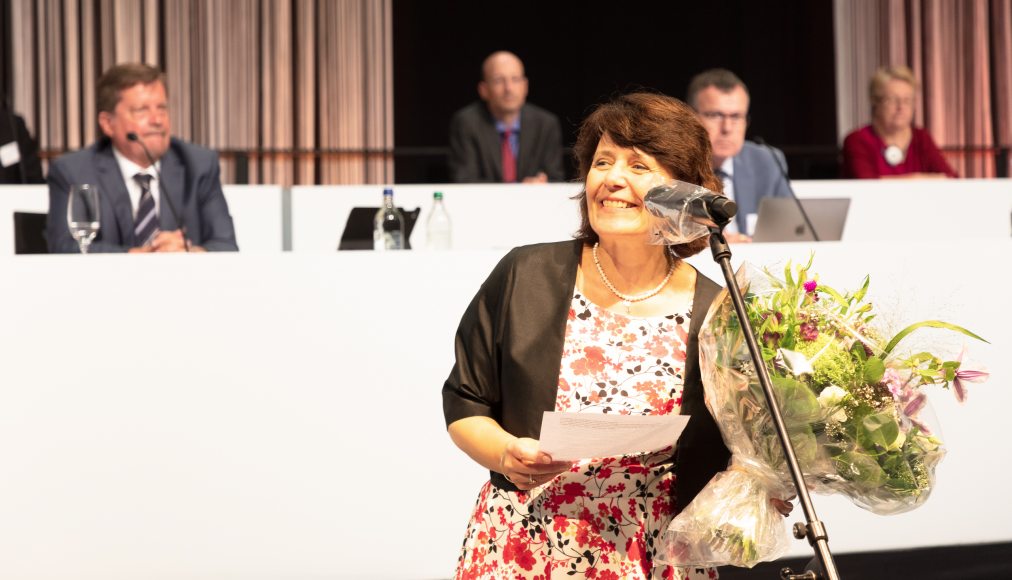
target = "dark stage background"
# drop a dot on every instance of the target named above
(578, 54)
(969, 562)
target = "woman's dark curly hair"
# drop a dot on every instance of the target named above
(659, 125)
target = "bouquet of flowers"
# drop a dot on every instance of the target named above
(851, 400)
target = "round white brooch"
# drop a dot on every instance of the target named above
(893, 155)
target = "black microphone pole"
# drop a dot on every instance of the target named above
(813, 529)
(161, 187)
(787, 180)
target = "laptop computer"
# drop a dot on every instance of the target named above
(357, 233)
(780, 221)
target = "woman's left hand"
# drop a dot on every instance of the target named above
(526, 467)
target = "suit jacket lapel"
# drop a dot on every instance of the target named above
(114, 188)
(173, 180)
(492, 143)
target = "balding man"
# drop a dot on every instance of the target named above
(504, 138)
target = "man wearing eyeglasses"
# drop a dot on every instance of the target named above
(749, 171)
(504, 138)
(156, 193)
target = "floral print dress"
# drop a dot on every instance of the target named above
(602, 519)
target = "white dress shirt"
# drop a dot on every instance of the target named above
(129, 169)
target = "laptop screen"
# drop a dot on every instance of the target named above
(780, 220)
(357, 233)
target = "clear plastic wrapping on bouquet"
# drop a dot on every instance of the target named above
(857, 423)
(731, 521)
(671, 219)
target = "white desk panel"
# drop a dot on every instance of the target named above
(256, 212)
(483, 216)
(284, 416)
(257, 216)
(502, 216)
(497, 216)
(920, 209)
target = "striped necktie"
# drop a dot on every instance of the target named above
(146, 222)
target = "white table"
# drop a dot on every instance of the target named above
(283, 416)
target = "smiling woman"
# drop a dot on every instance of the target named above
(606, 323)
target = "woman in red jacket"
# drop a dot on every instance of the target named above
(891, 146)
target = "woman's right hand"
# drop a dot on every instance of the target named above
(526, 467)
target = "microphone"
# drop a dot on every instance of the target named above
(787, 180)
(161, 186)
(697, 202)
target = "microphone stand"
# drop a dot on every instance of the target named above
(812, 528)
(790, 189)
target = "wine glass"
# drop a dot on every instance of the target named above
(83, 214)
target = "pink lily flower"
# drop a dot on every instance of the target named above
(966, 376)
(914, 405)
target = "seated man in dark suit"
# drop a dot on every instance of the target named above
(19, 153)
(133, 111)
(504, 138)
(749, 171)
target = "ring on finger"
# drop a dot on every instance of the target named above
(530, 477)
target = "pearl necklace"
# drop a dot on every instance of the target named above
(627, 299)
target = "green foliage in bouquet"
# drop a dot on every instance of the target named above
(850, 402)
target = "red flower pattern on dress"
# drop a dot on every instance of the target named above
(592, 363)
(593, 521)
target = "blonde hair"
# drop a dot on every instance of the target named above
(889, 73)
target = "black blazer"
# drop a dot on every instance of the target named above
(509, 346)
(29, 168)
(476, 149)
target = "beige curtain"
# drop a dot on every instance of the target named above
(962, 53)
(302, 89)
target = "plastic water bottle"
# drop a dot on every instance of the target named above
(388, 228)
(438, 233)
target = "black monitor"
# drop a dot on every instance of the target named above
(30, 233)
(358, 231)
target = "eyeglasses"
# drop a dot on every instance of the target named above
(716, 117)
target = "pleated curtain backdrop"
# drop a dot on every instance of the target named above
(960, 51)
(290, 92)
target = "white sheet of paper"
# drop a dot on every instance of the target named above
(573, 436)
(10, 154)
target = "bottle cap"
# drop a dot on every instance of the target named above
(437, 195)
(388, 191)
